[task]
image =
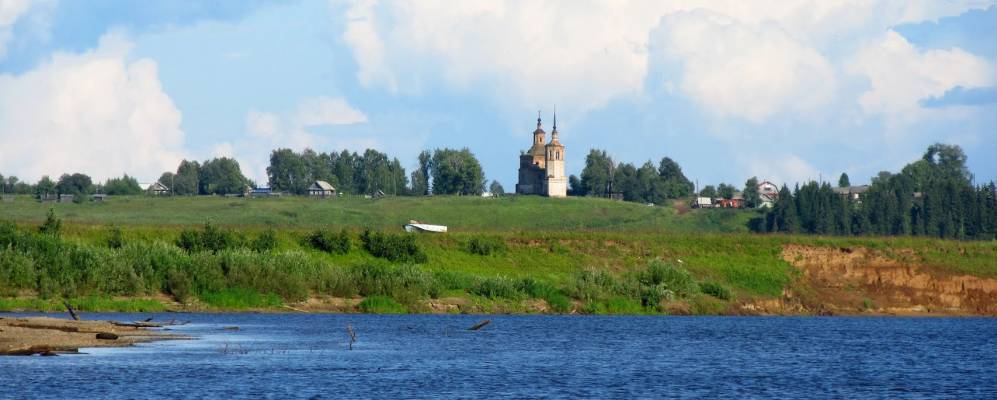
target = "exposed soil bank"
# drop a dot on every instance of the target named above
(858, 280)
(51, 336)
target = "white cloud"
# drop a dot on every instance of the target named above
(10, 12)
(901, 75)
(268, 131)
(97, 112)
(577, 54)
(262, 124)
(323, 110)
(780, 169)
(750, 60)
(731, 68)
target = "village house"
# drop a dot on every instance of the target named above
(155, 188)
(853, 193)
(737, 201)
(262, 192)
(768, 193)
(321, 189)
(703, 202)
(541, 168)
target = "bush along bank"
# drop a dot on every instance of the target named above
(213, 268)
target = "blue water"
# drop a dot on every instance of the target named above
(396, 357)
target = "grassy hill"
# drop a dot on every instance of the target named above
(543, 255)
(510, 213)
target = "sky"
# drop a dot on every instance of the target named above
(785, 91)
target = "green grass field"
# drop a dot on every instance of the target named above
(591, 255)
(468, 214)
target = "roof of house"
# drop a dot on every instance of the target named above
(321, 185)
(158, 186)
(851, 189)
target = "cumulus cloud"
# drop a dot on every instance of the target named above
(10, 12)
(579, 54)
(323, 110)
(295, 130)
(97, 112)
(901, 75)
(731, 68)
(780, 169)
(748, 60)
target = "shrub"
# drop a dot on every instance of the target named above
(209, 239)
(52, 225)
(330, 242)
(485, 245)
(115, 239)
(496, 287)
(267, 241)
(673, 278)
(394, 247)
(178, 285)
(590, 285)
(558, 302)
(240, 298)
(451, 280)
(716, 290)
(614, 305)
(381, 305)
(406, 283)
(17, 272)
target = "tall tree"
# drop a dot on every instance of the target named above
(726, 191)
(575, 186)
(420, 177)
(597, 177)
(457, 172)
(288, 172)
(221, 176)
(708, 191)
(843, 181)
(45, 186)
(752, 198)
(125, 185)
(675, 183)
(496, 188)
(187, 179)
(75, 184)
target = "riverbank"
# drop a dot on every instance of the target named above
(51, 336)
(233, 265)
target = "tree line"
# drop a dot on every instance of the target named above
(451, 171)
(603, 177)
(933, 196)
(214, 176)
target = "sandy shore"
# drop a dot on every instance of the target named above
(51, 336)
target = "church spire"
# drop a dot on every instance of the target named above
(554, 131)
(538, 119)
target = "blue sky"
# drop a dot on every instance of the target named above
(786, 91)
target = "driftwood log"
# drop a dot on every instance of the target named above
(107, 336)
(480, 325)
(72, 313)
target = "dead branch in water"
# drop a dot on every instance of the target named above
(480, 325)
(352, 334)
(72, 313)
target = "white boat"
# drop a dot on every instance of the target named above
(416, 226)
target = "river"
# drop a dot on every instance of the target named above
(436, 356)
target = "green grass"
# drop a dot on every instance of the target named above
(88, 304)
(510, 213)
(500, 254)
(381, 305)
(240, 299)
